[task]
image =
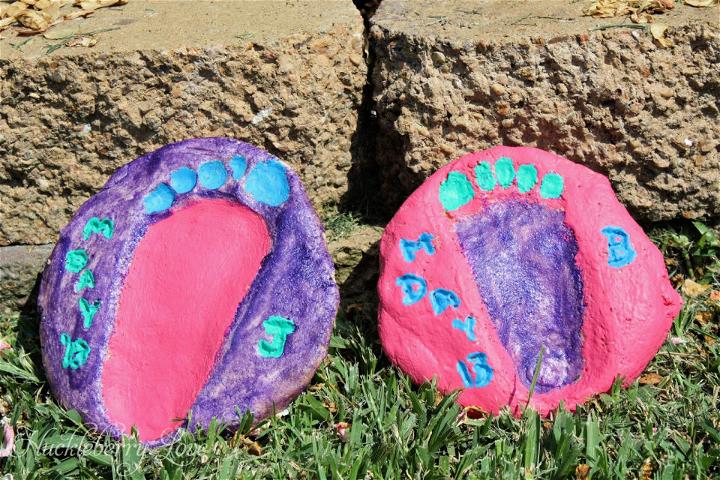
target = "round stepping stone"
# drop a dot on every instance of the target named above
(196, 284)
(513, 261)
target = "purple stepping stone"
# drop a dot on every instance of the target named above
(196, 284)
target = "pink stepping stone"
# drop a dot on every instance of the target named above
(512, 262)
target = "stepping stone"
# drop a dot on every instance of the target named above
(195, 284)
(285, 75)
(513, 261)
(451, 74)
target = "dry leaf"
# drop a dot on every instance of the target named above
(650, 379)
(82, 41)
(78, 14)
(700, 3)
(693, 289)
(617, 8)
(44, 4)
(95, 4)
(657, 30)
(646, 470)
(36, 16)
(34, 20)
(14, 9)
(253, 448)
(703, 317)
(6, 22)
(715, 296)
(582, 471)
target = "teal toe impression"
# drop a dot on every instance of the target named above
(267, 183)
(527, 177)
(484, 176)
(504, 171)
(456, 191)
(552, 186)
(183, 179)
(212, 174)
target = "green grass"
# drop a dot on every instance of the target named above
(393, 429)
(338, 224)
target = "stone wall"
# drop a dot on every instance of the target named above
(364, 111)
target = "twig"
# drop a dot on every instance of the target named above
(620, 25)
(66, 39)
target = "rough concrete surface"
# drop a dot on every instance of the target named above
(20, 266)
(454, 77)
(285, 75)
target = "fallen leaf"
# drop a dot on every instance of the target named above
(658, 30)
(715, 296)
(646, 470)
(252, 447)
(331, 406)
(703, 317)
(651, 378)
(95, 4)
(14, 9)
(6, 22)
(43, 4)
(700, 3)
(693, 289)
(582, 471)
(78, 14)
(34, 20)
(617, 8)
(82, 41)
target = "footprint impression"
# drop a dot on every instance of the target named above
(195, 285)
(512, 265)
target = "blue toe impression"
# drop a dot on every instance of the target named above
(159, 199)
(183, 179)
(238, 165)
(267, 183)
(212, 175)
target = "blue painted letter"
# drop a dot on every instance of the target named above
(413, 288)
(410, 248)
(620, 250)
(467, 326)
(441, 299)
